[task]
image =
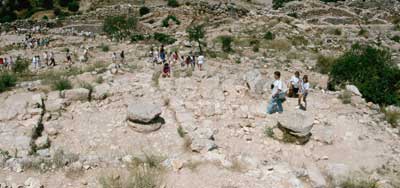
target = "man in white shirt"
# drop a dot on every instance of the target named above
(294, 85)
(278, 95)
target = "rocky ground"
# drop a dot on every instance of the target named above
(206, 128)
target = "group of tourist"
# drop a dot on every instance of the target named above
(47, 59)
(114, 57)
(298, 88)
(31, 42)
(6, 63)
(169, 60)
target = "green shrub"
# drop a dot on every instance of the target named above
(351, 183)
(47, 4)
(337, 31)
(269, 36)
(173, 3)
(345, 97)
(165, 22)
(392, 117)
(64, 3)
(164, 38)
(181, 132)
(144, 10)
(276, 4)
(145, 173)
(61, 84)
(396, 38)
(293, 14)
(137, 37)
(119, 27)
(324, 64)
(363, 32)
(197, 33)
(269, 132)
(299, 40)
(73, 6)
(226, 43)
(21, 65)
(7, 81)
(104, 47)
(371, 70)
(89, 87)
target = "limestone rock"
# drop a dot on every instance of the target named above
(79, 94)
(143, 112)
(33, 183)
(353, 89)
(101, 91)
(42, 142)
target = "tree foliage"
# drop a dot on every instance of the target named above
(119, 27)
(197, 33)
(371, 69)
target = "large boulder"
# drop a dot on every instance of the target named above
(19, 104)
(144, 116)
(143, 112)
(256, 82)
(353, 89)
(101, 91)
(54, 102)
(78, 94)
(294, 127)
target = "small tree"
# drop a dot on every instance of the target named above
(226, 43)
(64, 3)
(47, 4)
(276, 4)
(197, 33)
(119, 27)
(73, 6)
(144, 10)
(173, 3)
(372, 70)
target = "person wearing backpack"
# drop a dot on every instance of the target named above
(278, 95)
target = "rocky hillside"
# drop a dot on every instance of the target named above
(97, 124)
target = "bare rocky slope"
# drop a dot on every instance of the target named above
(205, 129)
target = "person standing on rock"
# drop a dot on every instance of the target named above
(45, 58)
(294, 84)
(122, 56)
(166, 70)
(114, 57)
(1, 63)
(52, 60)
(305, 86)
(278, 95)
(200, 61)
(11, 63)
(162, 54)
(69, 58)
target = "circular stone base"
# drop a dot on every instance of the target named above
(140, 128)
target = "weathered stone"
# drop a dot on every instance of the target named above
(353, 89)
(42, 142)
(33, 183)
(101, 91)
(79, 94)
(143, 112)
(315, 176)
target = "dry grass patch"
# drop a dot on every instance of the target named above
(141, 173)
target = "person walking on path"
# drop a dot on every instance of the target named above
(278, 95)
